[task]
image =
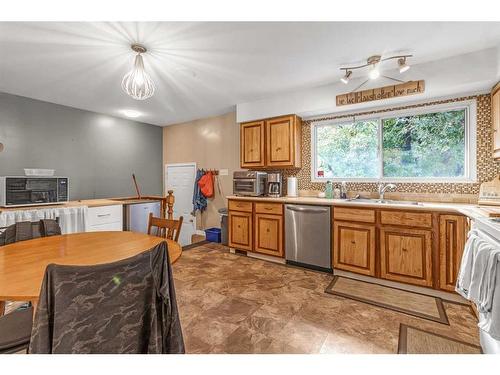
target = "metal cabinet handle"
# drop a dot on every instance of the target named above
(303, 209)
(101, 215)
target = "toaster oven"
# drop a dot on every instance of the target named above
(249, 183)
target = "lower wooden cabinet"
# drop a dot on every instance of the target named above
(256, 227)
(269, 234)
(406, 255)
(240, 230)
(354, 247)
(452, 237)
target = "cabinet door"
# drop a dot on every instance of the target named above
(452, 236)
(252, 144)
(495, 120)
(240, 230)
(281, 142)
(269, 234)
(354, 247)
(406, 255)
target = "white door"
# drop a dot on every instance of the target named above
(180, 178)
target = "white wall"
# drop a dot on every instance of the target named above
(464, 74)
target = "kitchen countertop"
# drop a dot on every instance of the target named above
(471, 210)
(86, 202)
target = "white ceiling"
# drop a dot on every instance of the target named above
(204, 69)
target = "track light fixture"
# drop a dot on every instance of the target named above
(403, 66)
(373, 63)
(345, 79)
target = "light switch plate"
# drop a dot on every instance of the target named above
(223, 172)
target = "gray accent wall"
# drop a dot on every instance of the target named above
(97, 152)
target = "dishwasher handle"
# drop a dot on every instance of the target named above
(307, 209)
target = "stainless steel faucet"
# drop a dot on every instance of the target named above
(382, 188)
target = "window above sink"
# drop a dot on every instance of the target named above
(428, 144)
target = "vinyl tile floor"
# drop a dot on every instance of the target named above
(231, 303)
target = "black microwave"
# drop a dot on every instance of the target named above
(33, 191)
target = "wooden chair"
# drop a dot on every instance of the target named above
(166, 228)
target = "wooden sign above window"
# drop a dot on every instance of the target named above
(386, 92)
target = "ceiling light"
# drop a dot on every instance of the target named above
(403, 66)
(373, 63)
(137, 83)
(374, 72)
(346, 77)
(132, 113)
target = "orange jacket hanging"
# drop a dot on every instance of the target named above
(206, 184)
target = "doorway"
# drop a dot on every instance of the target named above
(180, 178)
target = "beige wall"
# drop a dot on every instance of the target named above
(212, 143)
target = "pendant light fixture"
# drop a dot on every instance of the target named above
(137, 83)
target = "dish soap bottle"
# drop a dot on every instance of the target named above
(329, 190)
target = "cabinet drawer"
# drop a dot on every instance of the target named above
(113, 227)
(269, 208)
(410, 219)
(240, 206)
(105, 215)
(354, 214)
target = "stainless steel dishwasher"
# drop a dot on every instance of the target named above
(307, 236)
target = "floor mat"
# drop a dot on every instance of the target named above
(411, 303)
(414, 340)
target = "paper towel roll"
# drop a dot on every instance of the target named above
(291, 187)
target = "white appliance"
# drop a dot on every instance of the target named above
(292, 187)
(137, 215)
(488, 229)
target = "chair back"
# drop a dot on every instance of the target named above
(127, 306)
(26, 230)
(166, 228)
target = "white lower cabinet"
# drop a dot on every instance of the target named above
(105, 218)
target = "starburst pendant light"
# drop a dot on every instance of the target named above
(137, 83)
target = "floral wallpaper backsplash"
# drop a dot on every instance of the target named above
(487, 168)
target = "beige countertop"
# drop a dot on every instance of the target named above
(85, 202)
(471, 210)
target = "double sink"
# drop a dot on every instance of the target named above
(383, 201)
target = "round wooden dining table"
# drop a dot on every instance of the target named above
(22, 264)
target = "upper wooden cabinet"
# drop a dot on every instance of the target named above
(271, 143)
(495, 119)
(252, 144)
(452, 237)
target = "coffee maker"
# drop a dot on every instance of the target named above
(274, 185)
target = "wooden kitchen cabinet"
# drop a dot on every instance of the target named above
(283, 136)
(452, 237)
(354, 247)
(271, 143)
(256, 227)
(240, 230)
(252, 136)
(406, 255)
(495, 120)
(269, 234)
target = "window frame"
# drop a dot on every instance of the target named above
(470, 176)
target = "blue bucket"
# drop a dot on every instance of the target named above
(213, 235)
